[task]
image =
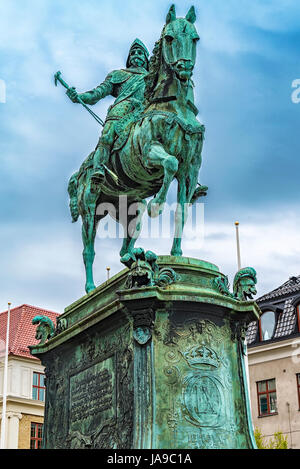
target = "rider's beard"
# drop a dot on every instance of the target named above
(137, 62)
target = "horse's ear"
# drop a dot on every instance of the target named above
(171, 16)
(191, 15)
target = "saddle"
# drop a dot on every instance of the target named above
(124, 125)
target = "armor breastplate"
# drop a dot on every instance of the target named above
(129, 95)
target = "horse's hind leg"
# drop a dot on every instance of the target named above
(158, 157)
(180, 217)
(88, 238)
(132, 224)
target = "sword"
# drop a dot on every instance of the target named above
(57, 77)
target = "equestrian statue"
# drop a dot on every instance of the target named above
(150, 137)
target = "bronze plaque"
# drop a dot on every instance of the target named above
(92, 397)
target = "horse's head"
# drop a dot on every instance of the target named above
(179, 40)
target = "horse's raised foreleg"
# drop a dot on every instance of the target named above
(158, 157)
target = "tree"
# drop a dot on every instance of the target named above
(278, 442)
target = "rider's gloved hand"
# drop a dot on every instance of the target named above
(72, 94)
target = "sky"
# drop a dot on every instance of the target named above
(247, 60)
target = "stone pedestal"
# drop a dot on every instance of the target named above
(150, 367)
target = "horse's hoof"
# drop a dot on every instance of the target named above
(90, 287)
(200, 191)
(176, 252)
(154, 208)
(127, 259)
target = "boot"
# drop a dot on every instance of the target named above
(98, 175)
(100, 159)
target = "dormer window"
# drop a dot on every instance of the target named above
(298, 316)
(266, 325)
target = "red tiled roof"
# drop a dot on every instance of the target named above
(21, 330)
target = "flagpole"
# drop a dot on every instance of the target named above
(239, 265)
(3, 422)
(238, 245)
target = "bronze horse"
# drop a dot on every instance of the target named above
(164, 142)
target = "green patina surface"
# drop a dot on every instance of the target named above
(154, 357)
(198, 366)
(150, 367)
(151, 136)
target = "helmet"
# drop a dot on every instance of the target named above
(138, 44)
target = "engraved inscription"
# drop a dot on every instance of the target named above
(92, 396)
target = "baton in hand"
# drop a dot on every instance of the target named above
(57, 77)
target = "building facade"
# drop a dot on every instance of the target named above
(274, 363)
(25, 381)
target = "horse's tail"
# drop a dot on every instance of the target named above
(72, 190)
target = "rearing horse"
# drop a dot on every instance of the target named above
(164, 142)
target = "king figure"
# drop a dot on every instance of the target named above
(127, 86)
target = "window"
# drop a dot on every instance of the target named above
(266, 325)
(266, 396)
(298, 387)
(36, 435)
(38, 386)
(298, 316)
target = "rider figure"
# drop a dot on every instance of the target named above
(127, 86)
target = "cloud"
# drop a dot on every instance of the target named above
(43, 265)
(245, 66)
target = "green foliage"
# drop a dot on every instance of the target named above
(259, 439)
(278, 442)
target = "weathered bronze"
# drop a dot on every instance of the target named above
(45, 329)
(153, 357)
(150, 366)
(151, 136)
(243, 284)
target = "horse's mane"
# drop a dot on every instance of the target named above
(154, 66)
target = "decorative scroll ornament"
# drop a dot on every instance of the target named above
(145, 272)
(45, 329)
(243, 284)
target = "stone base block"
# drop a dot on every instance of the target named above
(153, 367)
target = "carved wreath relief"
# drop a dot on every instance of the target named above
(197, 362)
